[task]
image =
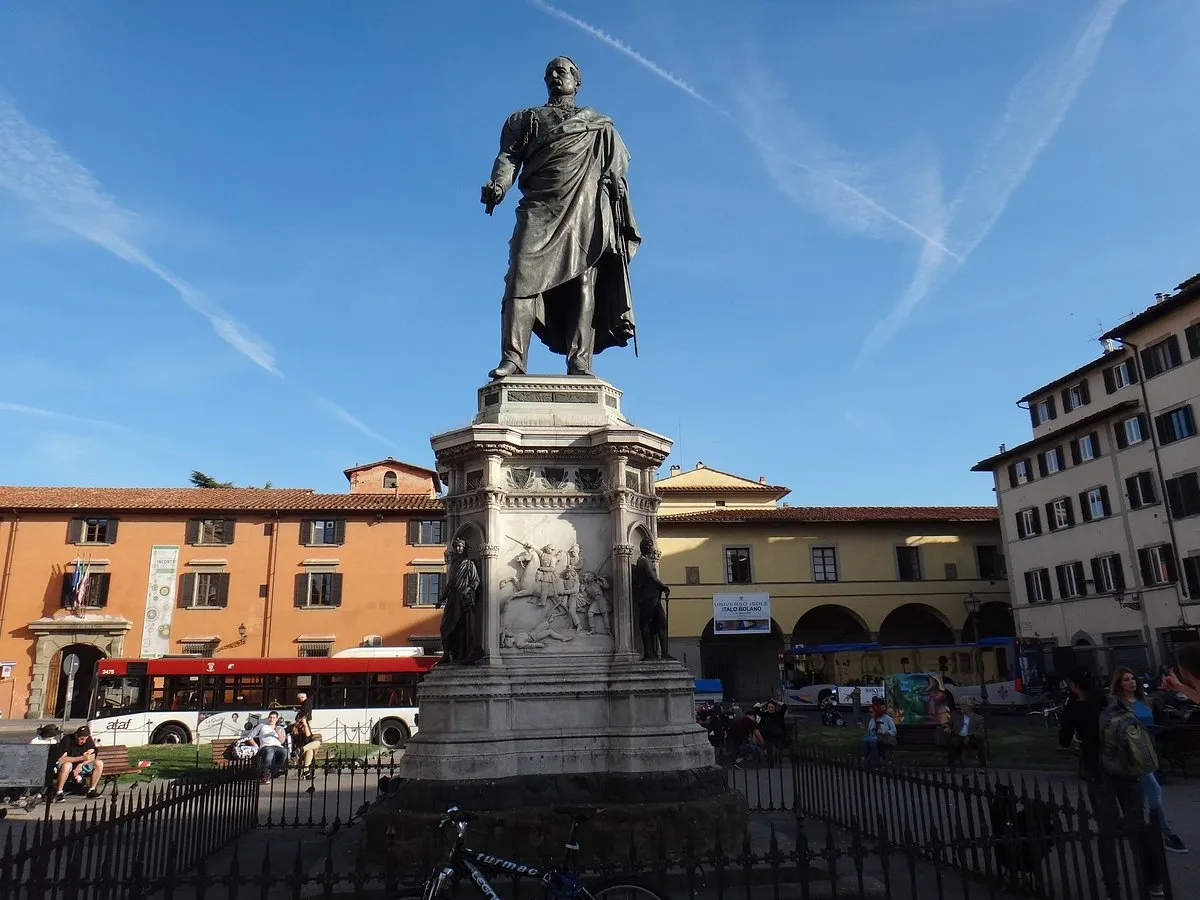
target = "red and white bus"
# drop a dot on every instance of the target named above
(357, 699)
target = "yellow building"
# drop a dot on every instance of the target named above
(896, 575)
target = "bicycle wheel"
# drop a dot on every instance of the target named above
(625, 887)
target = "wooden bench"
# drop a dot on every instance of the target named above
(220, 747)
(1179, 744)
(917, 738)
(116, 763)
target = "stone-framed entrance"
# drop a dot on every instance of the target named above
(105, 633)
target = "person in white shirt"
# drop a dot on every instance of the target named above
(881, 731)
(268, 740)
(966, 731)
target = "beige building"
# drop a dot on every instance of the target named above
(820, 574)
(1100, 509)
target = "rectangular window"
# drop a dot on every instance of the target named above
(316, 590)
(1029, 523)
(908, 563)
(1121, 375)
(95, 590)
(737, 566)
(198, 648)
(1183, 495)
(1140, 490)
(427, 532)
(691, 574)
(1070, 580)
(1085, 449)
(327, 532)
(952, 571)
(1192, 334)
(990, 562)
(210, 531)
(429, 585)
(824, 564)
(1094, 504)
(1131, 431)
(1075, 397)
(314, 649)
(97, 530)
(1021, 472)
(1175, 425)
(1191, 575)
(1059, 514)
(1161, 357)
(204, 590)
(1037, 585)
(1043, 411)
(1050, 461)
(1158, 564)
(1108, 574)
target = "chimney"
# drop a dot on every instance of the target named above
(675, 470)
(762, 479)
(699, 465)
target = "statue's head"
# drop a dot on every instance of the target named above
(459, 546)
(563, 78)
(647, 546)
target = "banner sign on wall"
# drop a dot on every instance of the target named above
(741, 613)
(160, 601)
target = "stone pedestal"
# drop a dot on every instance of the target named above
(552, 488)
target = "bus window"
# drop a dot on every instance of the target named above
(282, 689)
(243, 692)
(1002, 672)
(211, 692)
(182, 692)
(342, 692)
(120, 694)
(392, 689)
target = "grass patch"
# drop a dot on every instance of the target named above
(1011, 748)
(173, 760)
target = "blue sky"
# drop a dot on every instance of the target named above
(246, 238)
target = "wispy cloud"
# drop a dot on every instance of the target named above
(38, 171)
(818, 159)
(1035, 110)
(38, 412)
(346, 418)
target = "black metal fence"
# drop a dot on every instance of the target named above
(139, 837)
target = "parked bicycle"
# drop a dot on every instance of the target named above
(564, 883)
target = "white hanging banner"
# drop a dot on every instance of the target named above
(741, 613)
(160, 601)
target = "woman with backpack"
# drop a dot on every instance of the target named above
(1127, 687)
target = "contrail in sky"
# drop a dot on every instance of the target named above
(1036, 108)
(23, 410)
(621, 47)
(346, 418)
(36, 169)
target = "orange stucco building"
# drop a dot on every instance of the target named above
(206, 571)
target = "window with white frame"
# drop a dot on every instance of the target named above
(1037, 585)
(1052, 460)
(1107, 573)
(1140, 490)
(1061, 513)
(1028, 523)
(1175, 424)
(1087, 448)
(1131, 431)
(1119, 376)
(1076, 396)
(1096, 503)
(1023, 471)
(1070, 580)
(1158, 564)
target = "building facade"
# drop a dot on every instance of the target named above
(897, 575)
(211, 572)
(1100, 509)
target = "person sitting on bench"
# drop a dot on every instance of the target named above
(75, 755)
(268, 740)
(966, 732)
(881, 732)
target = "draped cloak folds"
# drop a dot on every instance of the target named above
(459, 595)
(567, 222)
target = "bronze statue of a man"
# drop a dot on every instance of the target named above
(648, 589)
(567, 279)
(460, 636)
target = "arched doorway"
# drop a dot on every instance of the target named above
(915, 623)
(993, 620)
(747, 664)
(81, 689)
(829, 624)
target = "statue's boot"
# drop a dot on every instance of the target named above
(583, 338)
(516, 328)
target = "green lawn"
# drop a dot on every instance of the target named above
(171, 760)
(1011, 747)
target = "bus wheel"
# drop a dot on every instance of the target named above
(170, 734)
(393, 734)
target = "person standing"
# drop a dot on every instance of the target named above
(881, 732)
(304, 739)
(1128, 688)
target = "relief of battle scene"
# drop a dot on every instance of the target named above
(555, 479)
(554, 602)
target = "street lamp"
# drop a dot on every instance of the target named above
(1134, 602)
(973, 604)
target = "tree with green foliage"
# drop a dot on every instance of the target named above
(200, 480)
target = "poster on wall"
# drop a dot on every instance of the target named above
(741, 613)
(160, 601)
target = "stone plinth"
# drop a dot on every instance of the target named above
(552, 489)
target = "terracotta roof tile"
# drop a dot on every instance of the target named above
(719, 489)
(848, 514)
(218, 499)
